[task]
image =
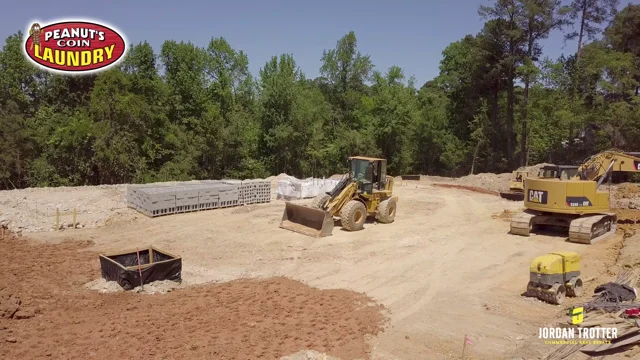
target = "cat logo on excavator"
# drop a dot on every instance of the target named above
(538, 196)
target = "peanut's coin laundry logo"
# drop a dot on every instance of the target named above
(74, 47)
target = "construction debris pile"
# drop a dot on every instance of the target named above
(612, 306)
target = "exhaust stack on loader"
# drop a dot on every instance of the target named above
(365, 191)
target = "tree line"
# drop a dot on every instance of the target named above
(191, 112)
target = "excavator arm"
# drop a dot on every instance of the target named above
(597, 167)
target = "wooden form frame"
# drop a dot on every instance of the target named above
(151, 249)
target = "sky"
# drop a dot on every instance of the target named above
(409, 34)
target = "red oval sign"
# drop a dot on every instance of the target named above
(74, 46)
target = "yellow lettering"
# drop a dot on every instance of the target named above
(48, 56)
(60, 60)
(109, 51)
(98, 56)
(36, 52)
(85, 57)
(73, 58)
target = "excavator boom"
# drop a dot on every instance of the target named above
(601, 164)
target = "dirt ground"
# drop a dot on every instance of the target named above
(46, 313)
(446, 268)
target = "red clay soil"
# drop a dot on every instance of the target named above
(470, 188)
(45, 312)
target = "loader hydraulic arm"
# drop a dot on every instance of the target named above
(338, 200)
(598, 166)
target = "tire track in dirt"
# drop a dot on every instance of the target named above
(444, 220)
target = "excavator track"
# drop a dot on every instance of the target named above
(522, 223)
(589, 229)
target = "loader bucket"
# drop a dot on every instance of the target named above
(512, 195)
(306, 220)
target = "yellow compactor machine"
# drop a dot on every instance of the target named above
(365, 191)
(554, 276)
(577, 203)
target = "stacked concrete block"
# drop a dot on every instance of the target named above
(155, 201)
(186, 199)
(264, 191)
(260, 190)
(248, 192)
(229, 193)
(164, 199)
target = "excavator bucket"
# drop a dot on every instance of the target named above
(512, 195)
(306, 220)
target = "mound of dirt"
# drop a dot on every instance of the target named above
(627, 191)
(34, 209)
(492, 182)
(628, 216)
(506, 215)
(256, 319)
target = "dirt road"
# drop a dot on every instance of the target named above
(444, 268)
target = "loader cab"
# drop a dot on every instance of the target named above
(370, 173)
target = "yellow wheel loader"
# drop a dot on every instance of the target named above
(577, 203)
(363, 192)
(554, 276)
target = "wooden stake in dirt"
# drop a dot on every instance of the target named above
(139, 269)
(74, 217)
(57, 219)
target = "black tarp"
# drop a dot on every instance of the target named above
(615, 292)
(123, 267)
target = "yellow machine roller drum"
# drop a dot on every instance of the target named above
(554, 276)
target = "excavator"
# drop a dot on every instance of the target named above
(364, 191)
(576, 203)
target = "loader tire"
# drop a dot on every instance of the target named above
(353, 215)
(319, 200)
(386, 211)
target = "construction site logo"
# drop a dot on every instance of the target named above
(575, 336)
(537, 196)
(577, 315)
(74, 46)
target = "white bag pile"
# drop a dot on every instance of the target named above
(291, 188)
